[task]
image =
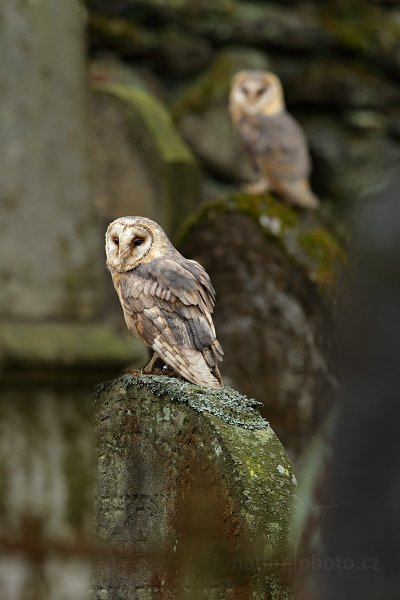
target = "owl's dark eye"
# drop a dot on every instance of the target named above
(137, 242)
(116, 240)
(245, 90)
(260, 91)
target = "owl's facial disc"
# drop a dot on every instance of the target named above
(256, 94)
(127, 245)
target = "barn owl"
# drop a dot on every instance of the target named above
(272, 137)
(166, 299)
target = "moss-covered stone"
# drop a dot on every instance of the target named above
(275, 271)
(205, 502)
(126, 36)
(225, 403)
(142, 165)
(305, 240)
(156, 118)
(69, 345)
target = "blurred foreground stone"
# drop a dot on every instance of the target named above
(194, 494)
(54, 339)
(46, 466)
(48, 268)
(275, 274)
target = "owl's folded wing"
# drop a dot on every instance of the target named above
(170, 304)
(280, 140)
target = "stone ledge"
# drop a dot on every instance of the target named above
(66, 345)
(225, 403)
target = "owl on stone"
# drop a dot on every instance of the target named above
(274, 140)
(167, 300)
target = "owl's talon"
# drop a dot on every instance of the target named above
(261, 186)
(134, 372)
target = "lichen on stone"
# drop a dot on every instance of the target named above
(225, 403)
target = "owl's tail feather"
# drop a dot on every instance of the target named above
(300, 194)
(189, 363)
(213, 354)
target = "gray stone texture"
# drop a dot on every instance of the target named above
(274, 273)
(49, 239)
(141, 165)
(189, 504)
(46, 473)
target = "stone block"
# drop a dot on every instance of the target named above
(275, 274)
(194, 494)
(141, 165)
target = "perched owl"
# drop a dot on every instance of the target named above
(272, 137)
(166, 299)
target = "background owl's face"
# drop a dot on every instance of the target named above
(131, 241)
(255, 92)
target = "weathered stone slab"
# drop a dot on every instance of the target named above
(141, 165)
(275, 274)
(49, 239)
(194, 493)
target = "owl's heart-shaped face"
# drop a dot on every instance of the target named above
(129, 240)
(256, 92)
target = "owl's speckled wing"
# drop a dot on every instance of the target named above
(277, 144)
(169, 302)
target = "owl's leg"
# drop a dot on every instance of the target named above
(148, 369)
(217, 374)
(257, 187)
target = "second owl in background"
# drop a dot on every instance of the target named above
(273, 138)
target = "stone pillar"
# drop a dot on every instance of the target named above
(52, 349)
(194, 494)
(49, 239)
(275, 274)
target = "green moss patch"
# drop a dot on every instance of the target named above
(302, 237)
(155, 117)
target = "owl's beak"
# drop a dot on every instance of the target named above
(253, 110)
